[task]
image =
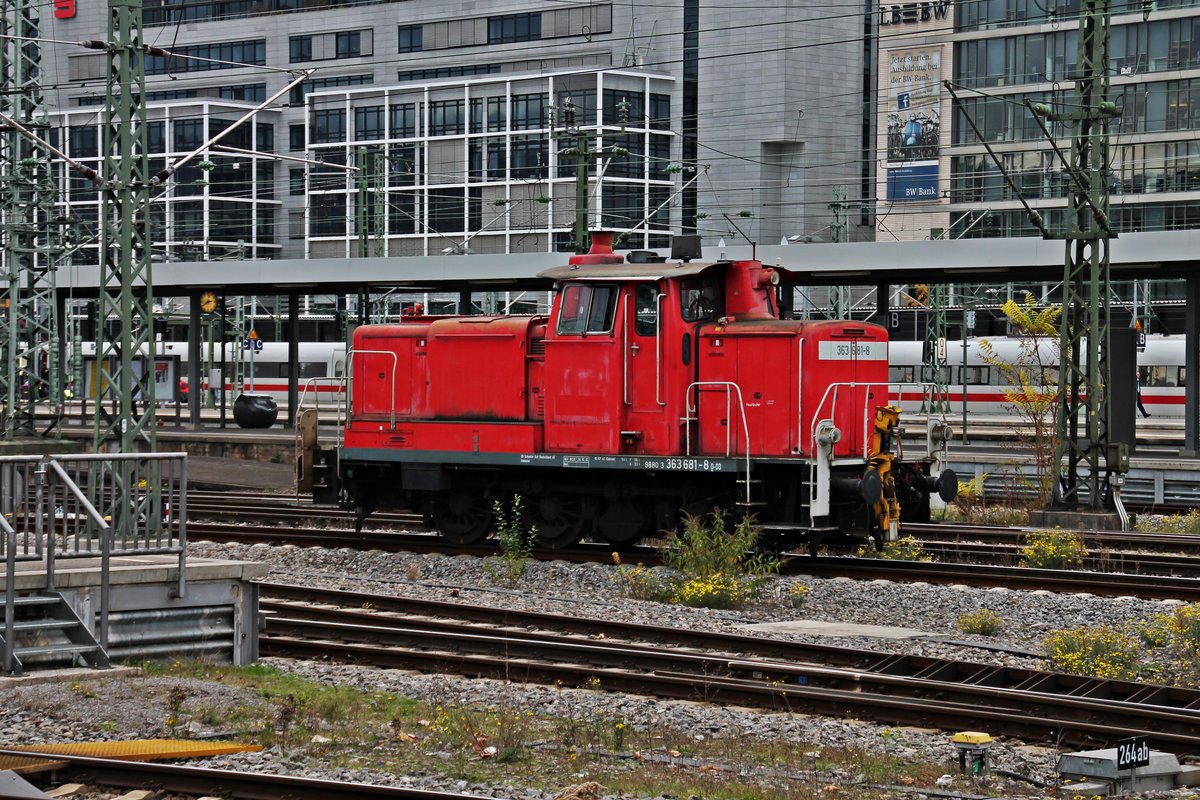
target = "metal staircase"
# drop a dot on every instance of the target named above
(45, 630)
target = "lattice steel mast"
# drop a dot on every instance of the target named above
(124, 329)
(28, 331)
(1085, 338)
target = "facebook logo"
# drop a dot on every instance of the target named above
(904, 101)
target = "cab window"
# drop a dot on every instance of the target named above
(645, 301)
(586, 309)
(699, 299)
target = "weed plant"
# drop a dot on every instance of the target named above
(510, 743)
(718, 567)
(1170, 523)
(1103, 652)
(516, 543)
(638, 582)
(906, 548)
(1053, 549)
(982, 622)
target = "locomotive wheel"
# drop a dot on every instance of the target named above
(625, 522)
(462, 517)
(558, 520)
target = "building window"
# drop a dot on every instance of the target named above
(445, 117)
(298, 93)
(300, 48)
(247, 92)
(296, 137)
(436, 73)
(410, 38)
(529, 157)
(327, 216)
(446, 210)
(188, 134)
(404, 120)
(368, 123)
(349, 44)
(624, 107)
(184, 59)
(528, 111)
(514, 28)
(660, 112)
(495, 114)
(296, 181)
(328, 125)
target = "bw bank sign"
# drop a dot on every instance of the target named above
(912, 13)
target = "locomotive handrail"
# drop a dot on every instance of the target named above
(658, 345)
(624, 317)
(833, 387)
(333, 380)
(350, 379)
(730, 390)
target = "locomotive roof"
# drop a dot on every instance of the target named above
(625, 271)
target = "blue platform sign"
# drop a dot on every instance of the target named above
(913, 182)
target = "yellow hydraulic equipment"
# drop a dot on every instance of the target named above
(883, 436)
(132, 750)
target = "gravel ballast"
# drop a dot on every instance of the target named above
(133, 708)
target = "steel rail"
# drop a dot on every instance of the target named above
(225, 783)
(1077, 720)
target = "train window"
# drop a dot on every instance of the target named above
(586, 309)
(699, 299)
(313, 369)
(267, 370)
(900, 374)
(1163, 376)
(645, 301)
(974, 375)
(339, 367)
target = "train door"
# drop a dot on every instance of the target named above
(583, 371)
(645, 427)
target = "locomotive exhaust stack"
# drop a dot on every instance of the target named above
(651, 389)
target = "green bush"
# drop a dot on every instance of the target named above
(718, 567)
(1054, 549)
(982, 622)
(1104, 652)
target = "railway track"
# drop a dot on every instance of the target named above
(1112, 573)
(111, 772)
(723, 668)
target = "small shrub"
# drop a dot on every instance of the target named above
(982, 622)
(638, 582)
(906, 548)
(516, 543)
(1104, 652)
(797, 594)
(969, 500)
(716, 565)
(1054, 549)
(1155, 633)
(1184, 624)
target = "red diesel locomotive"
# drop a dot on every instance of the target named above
(650, 389)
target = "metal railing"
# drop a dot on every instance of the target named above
(57, 507)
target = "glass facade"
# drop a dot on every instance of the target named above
(476, 165)
(1154, 69)
(219, 205)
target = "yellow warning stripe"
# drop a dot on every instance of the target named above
(132, 750)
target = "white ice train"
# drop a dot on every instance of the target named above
(1161, 365)
(321, 364)
(263, 371)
